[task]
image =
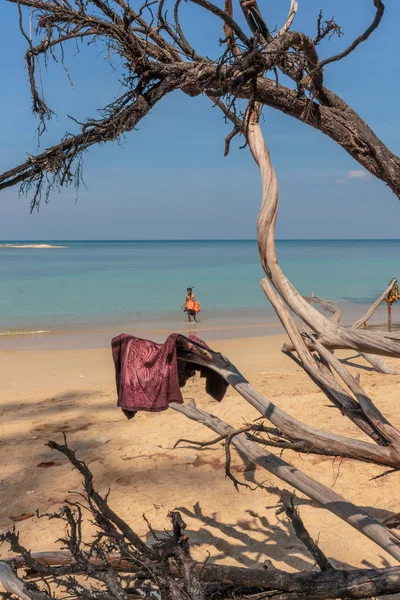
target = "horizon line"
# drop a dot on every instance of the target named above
(42, 240)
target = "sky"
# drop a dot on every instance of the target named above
(169, 178)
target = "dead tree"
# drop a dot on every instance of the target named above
(160, 59)
(115, 564)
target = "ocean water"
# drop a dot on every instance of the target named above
(141, 285)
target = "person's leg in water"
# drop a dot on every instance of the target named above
(189, 316)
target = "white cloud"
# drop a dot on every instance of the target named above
(356, 174)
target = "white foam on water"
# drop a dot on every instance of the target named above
(3, 333)
(36, 246)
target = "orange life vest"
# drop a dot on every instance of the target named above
(190, 305)
(197, 307)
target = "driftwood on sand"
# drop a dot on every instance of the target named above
(327, 498)
(387, 453)
(363, 320)
(116, 564)
(380, 365)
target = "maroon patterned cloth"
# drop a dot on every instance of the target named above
(149, 376)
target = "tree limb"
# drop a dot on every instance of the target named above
(313, 489)
(380, 8)
(301, 532)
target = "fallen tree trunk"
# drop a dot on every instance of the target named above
(310, 585)
(379, 364)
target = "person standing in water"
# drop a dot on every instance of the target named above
(190, 305)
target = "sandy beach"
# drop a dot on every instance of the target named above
(48, 392)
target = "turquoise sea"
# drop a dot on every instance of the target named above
(140, 285)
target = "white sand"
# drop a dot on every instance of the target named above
(45, 393)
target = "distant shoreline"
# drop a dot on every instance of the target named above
(8, 243)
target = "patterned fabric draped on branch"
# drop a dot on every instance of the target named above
(149, 375)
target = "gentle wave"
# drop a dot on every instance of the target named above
(2, 333)
(30, 246)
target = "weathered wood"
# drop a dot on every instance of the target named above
(367, 406)
(292, 13)
(318, 372)
(335, 503)
(363, 320)
(13, 585)
(379, 364)
(329, 384)
(330, 333)
(291, 427)
(327, 305)
(301, 531)
(355, 583)
(62, 558)
(311, 585)
(389, 309)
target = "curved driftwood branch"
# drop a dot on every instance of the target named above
(374, 306)
(292, 13)
(327, 305)
(327, 498)
(331, 334)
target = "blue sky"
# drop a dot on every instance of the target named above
(170, 180)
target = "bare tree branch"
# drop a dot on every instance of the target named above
(291, 511)
(152, 49)
(380, 8)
